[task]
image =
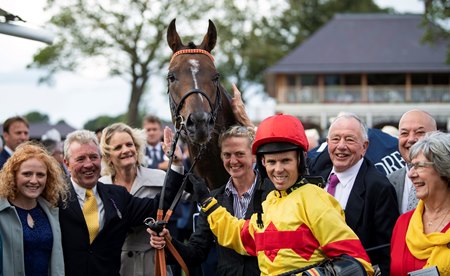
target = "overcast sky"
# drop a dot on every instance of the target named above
(77, 98)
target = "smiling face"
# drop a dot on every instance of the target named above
(237, 157)
(30, 181)
(346, 144)
(412, 126)
(84, 163)
(282, 168)
(426, 179)
(123, 150)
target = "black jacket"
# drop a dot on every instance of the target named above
(122, 211)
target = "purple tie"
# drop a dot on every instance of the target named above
(334, 180)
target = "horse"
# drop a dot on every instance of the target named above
(199, 104)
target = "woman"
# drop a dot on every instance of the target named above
(31, 185)
(122, 157)
(421, 237)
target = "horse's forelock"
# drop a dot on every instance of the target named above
(191, 45)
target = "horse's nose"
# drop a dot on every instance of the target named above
(198, 119)
(199, 126)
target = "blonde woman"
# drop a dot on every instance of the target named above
(31, 186)
(122, 164)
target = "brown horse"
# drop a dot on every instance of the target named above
(198, 102)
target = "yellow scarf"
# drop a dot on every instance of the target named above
(433, 247)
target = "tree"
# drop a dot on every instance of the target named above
(36, 117)
(436, 21)
(126, 36)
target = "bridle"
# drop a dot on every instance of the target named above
(180, 122)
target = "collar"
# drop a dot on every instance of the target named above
(158, 147)
(81, 191)
(8, 150)
(230, 189)
(302, 181)
(346, 176)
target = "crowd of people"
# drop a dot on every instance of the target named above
(76, 207)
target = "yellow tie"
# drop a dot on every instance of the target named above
(90, 212)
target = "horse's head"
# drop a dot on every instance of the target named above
(193, 84)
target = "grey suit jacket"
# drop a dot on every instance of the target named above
(397, 179)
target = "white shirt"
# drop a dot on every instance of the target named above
(346, 181)
(406, 188)
(81, 195)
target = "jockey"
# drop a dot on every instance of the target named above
(300, 225)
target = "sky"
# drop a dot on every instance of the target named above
(77, 98)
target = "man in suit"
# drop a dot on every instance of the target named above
(412, 126)
(153, 151)
(94, 248)
(15, 132)
(367, 197)
(237, 197)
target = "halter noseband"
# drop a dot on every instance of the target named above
(177, 108)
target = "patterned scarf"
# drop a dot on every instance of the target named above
(433, 247)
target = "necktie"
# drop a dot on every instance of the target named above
(412, 199)
(90, 212)
(334, 180)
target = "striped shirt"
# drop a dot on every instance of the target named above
(240, 204)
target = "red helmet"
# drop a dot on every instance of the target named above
(280, 133)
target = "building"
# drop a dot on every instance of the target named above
(374, 65)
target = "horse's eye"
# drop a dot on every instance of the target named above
(171, 77)
(216, 77)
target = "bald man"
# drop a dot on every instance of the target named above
(412, 126)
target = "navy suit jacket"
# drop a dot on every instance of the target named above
(4, 155)
(122, 211)
(371, 209)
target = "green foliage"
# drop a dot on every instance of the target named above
(128, 36)
(103, 121)
(436, 21)
(36, 117)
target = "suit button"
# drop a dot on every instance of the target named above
(130, 254)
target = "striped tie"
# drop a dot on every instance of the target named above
(90, 212)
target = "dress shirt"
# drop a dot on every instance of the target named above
(81, 195)
(346, 181)
(240, 203)
(406, 188)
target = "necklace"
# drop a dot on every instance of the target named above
(436, 228)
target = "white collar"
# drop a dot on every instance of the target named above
(81, 191)
(346, 176)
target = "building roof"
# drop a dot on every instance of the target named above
(372, 43)
(41, 128)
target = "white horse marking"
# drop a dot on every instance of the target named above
(195, 64)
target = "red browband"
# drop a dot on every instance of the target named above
(192, 51)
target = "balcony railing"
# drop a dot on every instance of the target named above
(375, 94)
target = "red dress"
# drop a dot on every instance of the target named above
(402, 261)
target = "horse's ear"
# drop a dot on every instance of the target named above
(210, 39)
(173, 39)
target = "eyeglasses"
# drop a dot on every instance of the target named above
(421, 164)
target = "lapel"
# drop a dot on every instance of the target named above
(355, 203)
(73, 206)
(109, 204)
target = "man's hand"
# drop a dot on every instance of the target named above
(238, 107)
(201, 191)
(159, 242)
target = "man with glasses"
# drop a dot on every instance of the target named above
(412, 126)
